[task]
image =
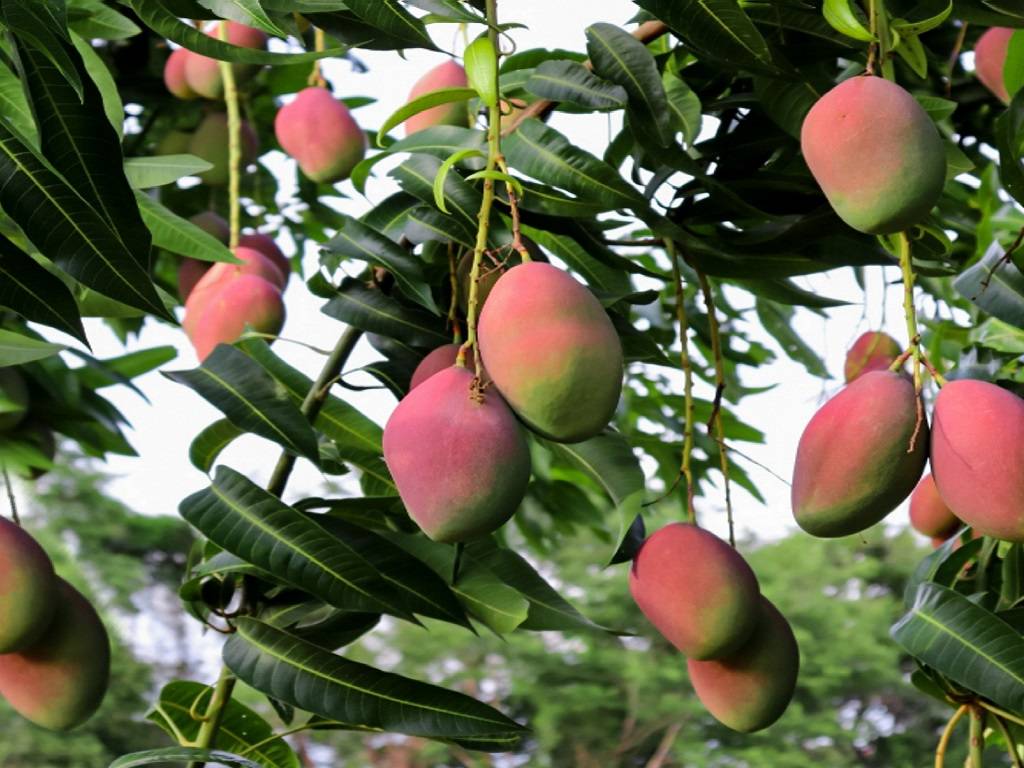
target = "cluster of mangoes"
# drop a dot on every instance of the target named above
(54, 650)
(552, 361)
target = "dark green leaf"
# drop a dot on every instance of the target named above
(16, 349)
(43, 24)
(178, 235)
(571, 82)
(995, 285)
(35, 293)
(208, 444)
(371, 310)
(391, 18)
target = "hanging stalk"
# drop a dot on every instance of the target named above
(227, 74)
(940, 750)
(685, 468)
(10, 495)
(977, 744)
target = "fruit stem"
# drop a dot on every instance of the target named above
(215, 712)
(513, 207)
(1011, 744)
(1001, 713)
(227, 74)
(453, 278)
(10, 495)
(716, 407)
(977, 744)
(940, 749)
(316, 78)
(484, 216)
(687, 366)
(910, 313)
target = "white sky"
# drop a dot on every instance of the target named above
(162, 432)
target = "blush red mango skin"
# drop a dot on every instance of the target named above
(447, 75)
(222, 317)
(220, 274)
(28, 588)
(191, 271)
(696, 590)
(436, 361)
(990, 60)
(319, 132)
(929, 514)
(872, 351)
(852, 466)
(174, 75)
(977, 456)
(749, 690)
(61, 680)
(461, 466)
(210, 142)
(552, 352)
(266, 245)
(876, 154)
(203, 74)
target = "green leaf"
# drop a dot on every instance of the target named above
(787, 103)
(43, 24)
(16, 349)
(177, 235)
(312, 679)
(570, 82)
(966, 643)
(421, 104)
(843, 17)
(391, 18)
(208, 444)
(14, 106)
(356, 240)
(777, 320)
(442, 175)
(147, 172)
(92, 19)
(416, 176)
(35, 293)
(101, 76)
(1013, 77)
(787, 292)
(1009, 129)
(248, 12)
(372, 311)
(481, 63)
(118, 370)
(548, 156)
(931, 15)
(155, 15)
(618, 56)
(241, 730)
(176, 755)
(599, 276)
(995, 285)
(252, 400)
(684, 106)
(247, 521)
(718, 29)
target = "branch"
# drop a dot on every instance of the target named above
(649, 30)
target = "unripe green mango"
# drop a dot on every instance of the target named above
(60, 681)
(210, 142)
(696, 590)
(977, 456)
(876, 154)
(852, 465)
(13, 398)
(552, 351)
(458, 456)
(28, 588)
(749, 690)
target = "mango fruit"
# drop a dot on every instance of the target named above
(458, 456)
(552, 352)
(174, 75)
(696, 590)
(221, 314)
(852, 463)
(436, 361)
(60, 681)
(749, 690)
(876, 154)
(266, 245)
(28, 588)
(872, 351)
(990, 60)
(319, 132)
(203, 74)
(210, 142)
(13, 398)
(977, 454)
(929, 514)
(447, 75)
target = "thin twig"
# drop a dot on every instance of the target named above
(1011, 747)
(940, 749)
(10, 495)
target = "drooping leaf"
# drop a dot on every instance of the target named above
(146, 172)
(34, 292)
(371, 310)
(178, 235)
(996, 285)
(17, 349)
(210, 442)
(43, 24)
(390, 17)
(422, 103)
(571, 82)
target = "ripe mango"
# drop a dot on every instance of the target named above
(929, 514)
(447, 75)
(696, 590)
(203, 74)
(174, 75)
(460, 461)
(210, 142)
(13, 398)
(749, 690)
(436, 361)
(223, 313)
(876, 154)
(552, 352)
(28, 588)
(319, 132)
(266, 245)
(977, 455)
(872, 351)
(990, 60)
(852, 465)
